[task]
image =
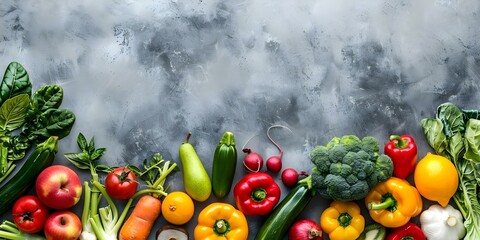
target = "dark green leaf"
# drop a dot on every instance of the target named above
(98, 153)
(471, 113)
(12, 112)
(433, 129)
(82, 142)
(135, 169)
(55, 122)
(15, 82)
(455, 147)
(452, 119)
(472, 140)
(47, 97)
(91, 146)
(80, 160)
(104, 168)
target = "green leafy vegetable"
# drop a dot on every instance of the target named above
(15, 82)
(455, 134)
(12, 112)
(36, 117)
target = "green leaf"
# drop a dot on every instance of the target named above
(455, 147)
(433, 129)
(15, 82)
(472, 140)
(452, 119)
(80, 160)
(47, 97)
(82, 142)
(91, 146)
(55, 122)
(98, 153)
(12, 112)
(104, 168)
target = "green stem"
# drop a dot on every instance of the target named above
(258, 195)
(401, 143)
(110, 202)
(344, 219)
(86, 204)
(385, 204)
(407, 238)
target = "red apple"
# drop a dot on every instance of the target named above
(58, 187)
(63, 225)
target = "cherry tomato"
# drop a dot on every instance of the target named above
(121, 183)
(29, 214)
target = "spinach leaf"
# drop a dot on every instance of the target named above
(472, 140)
(53, 122)
(13, 111)
(15, 82)
(452, 119)
(471, 113)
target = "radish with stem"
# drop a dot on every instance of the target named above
(253, 162)
(274, 163)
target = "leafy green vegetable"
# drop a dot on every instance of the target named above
(15, 82)
(38, 116)
(12, 112)
(455, 134)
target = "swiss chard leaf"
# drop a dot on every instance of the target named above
(472, 140)
(452, 119)
(15, 82)
(433, 129)
(12, 112)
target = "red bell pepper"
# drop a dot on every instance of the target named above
(256, 194)
(403, 152)
(409, 231)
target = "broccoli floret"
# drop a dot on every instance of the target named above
(384, 167)
(340, 169)
(337, 153)
(319, 157)
(371, 143)
(337, 186)
(347, 168)
(335, 141)
(351, 142)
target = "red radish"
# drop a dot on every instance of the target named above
(290, 176)
(305, 229)
(252, 162)
(274, 163)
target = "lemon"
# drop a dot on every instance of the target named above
(436, 178)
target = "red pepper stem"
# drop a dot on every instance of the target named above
(259, 195)
(400, 143)
(388, 203)
(407, 238)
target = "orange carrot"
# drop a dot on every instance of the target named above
(141, 220)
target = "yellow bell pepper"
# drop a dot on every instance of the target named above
(392, 203)
(221, 221)
(342, 221)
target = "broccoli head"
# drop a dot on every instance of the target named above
(347, 167)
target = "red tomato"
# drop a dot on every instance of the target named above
(29, 214)
(121, 183)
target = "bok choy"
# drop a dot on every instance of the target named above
(455, 134)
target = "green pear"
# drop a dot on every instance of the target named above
(195, 178)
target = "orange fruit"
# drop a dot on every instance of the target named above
(178, 208)
(436, 178)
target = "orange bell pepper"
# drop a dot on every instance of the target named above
(392, 203)
(221, 221)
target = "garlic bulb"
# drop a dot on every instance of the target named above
(442, 223)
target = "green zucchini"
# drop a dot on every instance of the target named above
(223, 166)
(23, 180)
(279, 221)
